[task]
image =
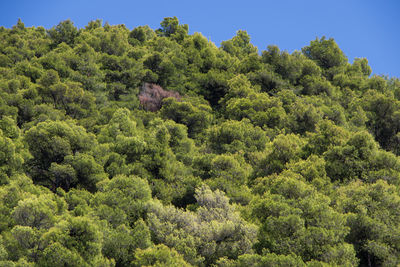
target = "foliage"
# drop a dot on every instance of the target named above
(142, 147)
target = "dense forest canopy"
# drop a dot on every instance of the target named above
(147, 147)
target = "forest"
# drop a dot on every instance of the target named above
(156, 147)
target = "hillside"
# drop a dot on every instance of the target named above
(147, 147)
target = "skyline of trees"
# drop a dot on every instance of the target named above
(147, 147)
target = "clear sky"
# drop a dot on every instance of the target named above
(362, 28)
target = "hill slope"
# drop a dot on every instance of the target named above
(147, 147)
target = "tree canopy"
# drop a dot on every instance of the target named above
(155, 147)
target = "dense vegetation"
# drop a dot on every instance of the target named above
(138, 147)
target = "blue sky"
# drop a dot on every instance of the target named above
(365, 28)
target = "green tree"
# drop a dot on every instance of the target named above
(65, 32)
(141, 34)
(78, 237)
(213, 231)
(284, 149)
(120, 243)
(158, 256)
(373, 220)
(383, 118)
(239, 45)
(353, 159)
(38, 212)
(122, 200)
(326, 53)
(269, 259)
(170, 27)
(234, 136)
(296, 219)
(10, 159)
(51, 142)
(196, 116)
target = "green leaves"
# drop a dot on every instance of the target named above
(239, 45)
(234, 136)
(296, 219)
(239, 159)
(373, 220)
(214, 230)
(65, 32)
(158, 256)
(170, 28)
(50, 144)
(35, 212)
(196, 116)
(326, 53)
